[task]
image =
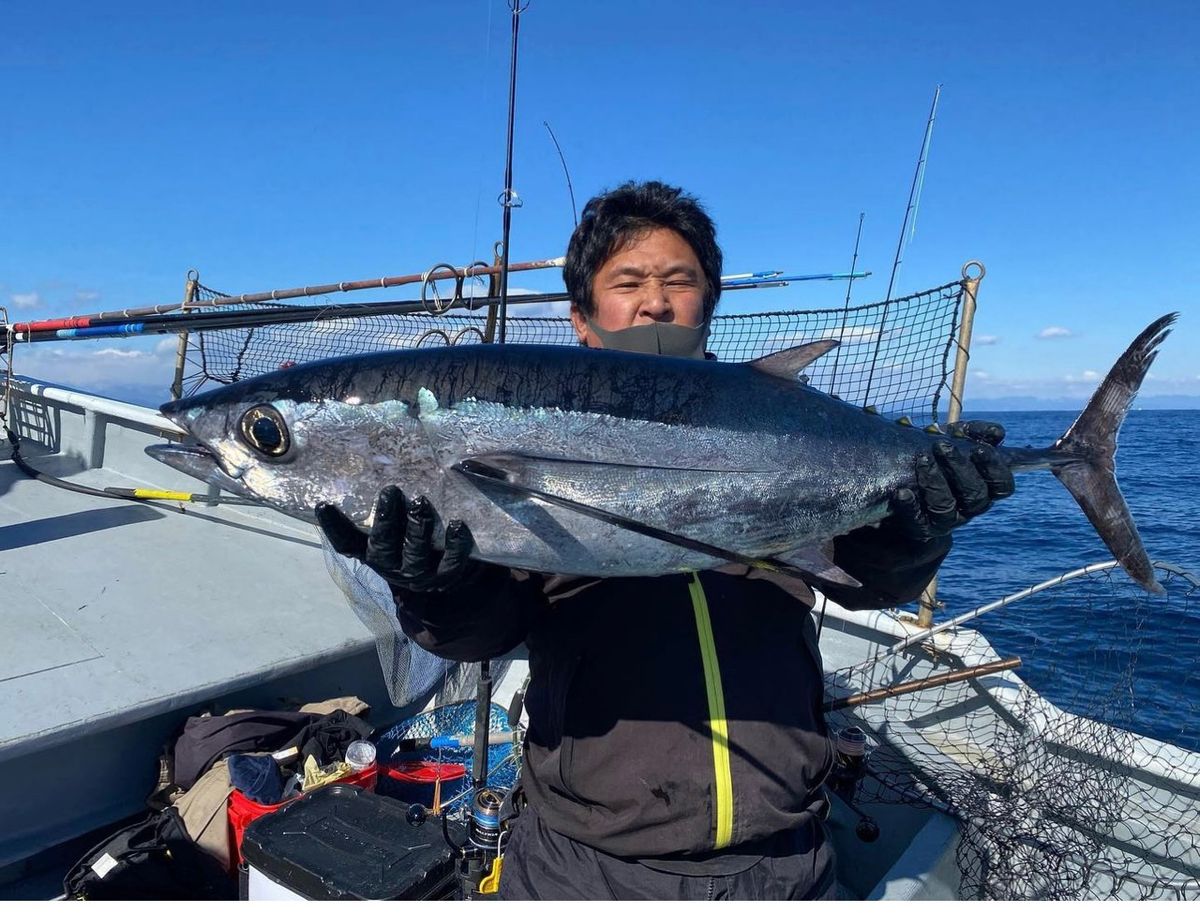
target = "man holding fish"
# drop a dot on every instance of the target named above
(676, 744)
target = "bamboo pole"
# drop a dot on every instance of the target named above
(922, 684)
(928, 601)
(190, 289)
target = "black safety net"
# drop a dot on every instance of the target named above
(895, 355)
(1076, 775)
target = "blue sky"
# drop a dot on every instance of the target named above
(278, 144)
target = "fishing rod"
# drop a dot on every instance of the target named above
(563, 159)
(474, 866)
(245, 319)
(508, 197)
(763, 280)
(437, 274)
(910, 212)
(914, 193)
(846, 306)
(922, 684)
(229, 319)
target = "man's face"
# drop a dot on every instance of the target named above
(654, 278)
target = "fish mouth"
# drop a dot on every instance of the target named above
(199, 463)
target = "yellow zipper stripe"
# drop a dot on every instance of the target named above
(716, 713)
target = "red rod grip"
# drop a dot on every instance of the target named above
(62, 323)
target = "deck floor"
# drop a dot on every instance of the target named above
(111, 608)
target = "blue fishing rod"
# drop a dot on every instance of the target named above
(776, 278)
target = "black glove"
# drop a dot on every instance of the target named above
(400, 548)
(895, 561)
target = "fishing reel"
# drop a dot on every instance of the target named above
(852, 750)
(479, 854)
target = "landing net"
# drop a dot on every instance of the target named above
(1078, 775)
(895, 355)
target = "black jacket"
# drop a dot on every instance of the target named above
(666, 719)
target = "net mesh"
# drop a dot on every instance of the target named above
(454, 719)
(895, 355)
(1064, 784)
(413, 676)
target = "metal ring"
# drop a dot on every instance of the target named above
(470, 266)
(464, 331)
(428, 333)
(427, 281)
(477, 277)
(193, 275)
(968, 265)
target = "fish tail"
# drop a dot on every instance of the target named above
(1092, 441)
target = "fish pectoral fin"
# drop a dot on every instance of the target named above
(790, 362)
(500, 469)
(530, 467)
(817, 560)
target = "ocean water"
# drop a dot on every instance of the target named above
(1102, 647)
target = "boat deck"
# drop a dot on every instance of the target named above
(121, 619)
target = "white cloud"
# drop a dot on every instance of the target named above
(985, 385)
(28, 300)
(984, 340)
(541, 309)
(846, 336)
(86, 296)
(98, 370)
(1054, 333)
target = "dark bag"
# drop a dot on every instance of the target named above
(154, 859)
(207, 739)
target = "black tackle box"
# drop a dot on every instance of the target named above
(343, 843)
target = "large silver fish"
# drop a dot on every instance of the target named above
(570, 460)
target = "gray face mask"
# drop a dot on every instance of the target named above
(655, 339)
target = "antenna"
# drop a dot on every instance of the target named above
(563, 159)
(508, 197)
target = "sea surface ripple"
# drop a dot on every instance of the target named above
(1101, 648)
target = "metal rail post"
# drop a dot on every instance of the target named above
(928, 601)
(190, 290)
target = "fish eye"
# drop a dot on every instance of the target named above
(265, 430)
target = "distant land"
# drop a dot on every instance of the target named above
(1072, 404)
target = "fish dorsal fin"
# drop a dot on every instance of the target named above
(790, 362)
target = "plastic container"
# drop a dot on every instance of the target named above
(360, 755)
(341, 843)
(243, 811)
(415, 781)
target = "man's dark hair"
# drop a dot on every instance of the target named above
(613, 219)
